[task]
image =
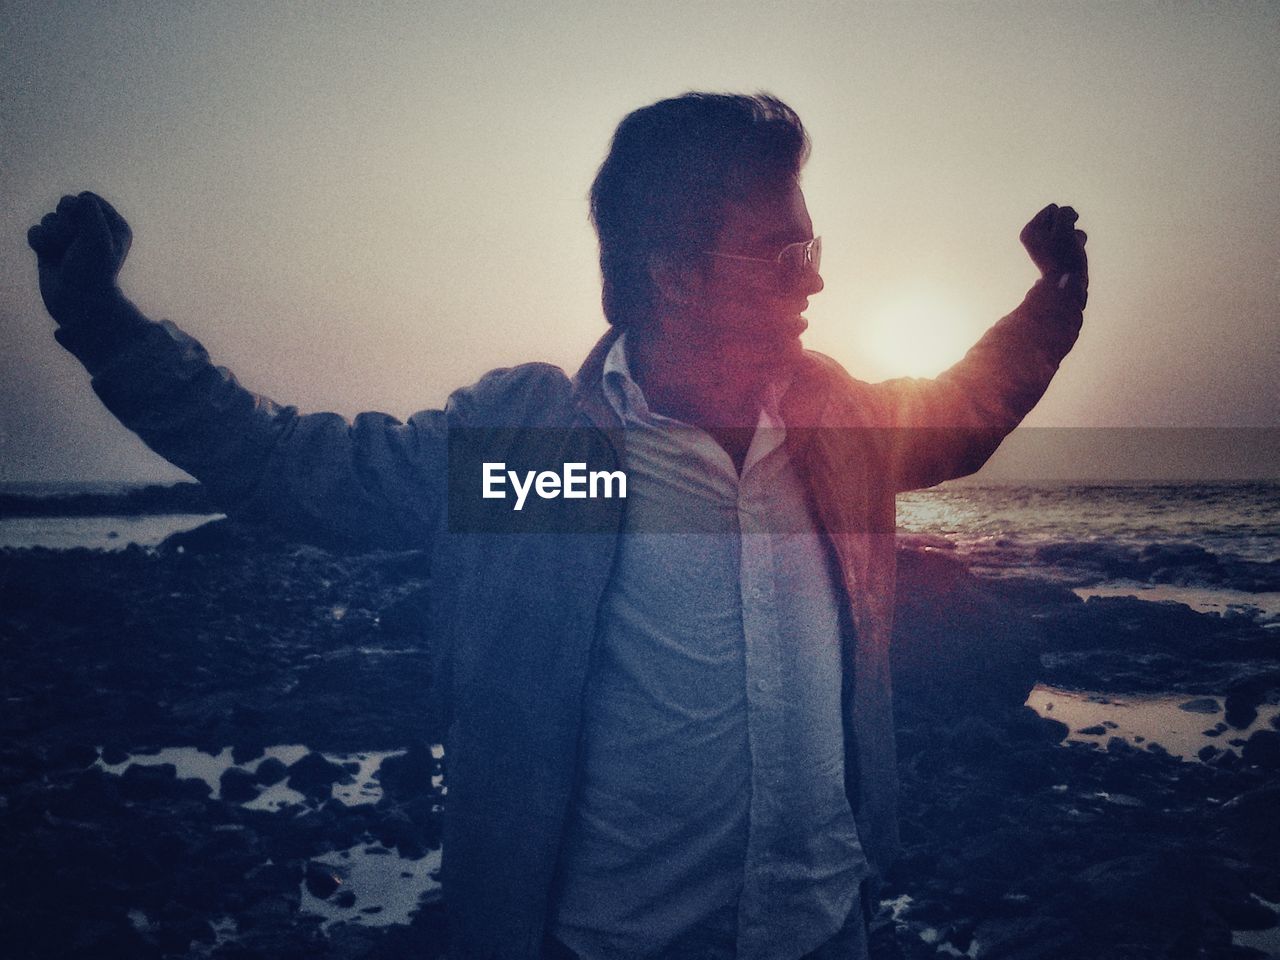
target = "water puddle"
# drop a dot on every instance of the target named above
(1268, 941)
(361, 787)
(899, 913)
(376, 886)
(1182, 725)
(96, 533)
(1201, 599)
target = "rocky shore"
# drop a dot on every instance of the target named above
(1020, 842)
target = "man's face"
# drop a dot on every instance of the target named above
(741, 303)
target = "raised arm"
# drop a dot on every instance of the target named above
(375, 481)
(949, 426)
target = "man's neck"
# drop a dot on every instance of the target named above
(695, 382)
(699, 382)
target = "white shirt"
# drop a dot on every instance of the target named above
(710, 805)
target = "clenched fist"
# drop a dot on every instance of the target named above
(1056, 247)
(80, 248)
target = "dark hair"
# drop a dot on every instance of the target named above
(670, 169)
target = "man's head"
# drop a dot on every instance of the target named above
(695, 189)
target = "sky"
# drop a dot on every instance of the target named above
(363, 207)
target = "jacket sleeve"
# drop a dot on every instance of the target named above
(947, 427)
(375, 481)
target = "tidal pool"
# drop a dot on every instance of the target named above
(1180, 724)
(386, 887)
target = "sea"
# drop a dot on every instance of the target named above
(1214, 546)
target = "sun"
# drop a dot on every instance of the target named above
(917, 334)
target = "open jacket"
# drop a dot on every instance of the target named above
(514, 615)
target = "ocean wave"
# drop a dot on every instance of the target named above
(1175, 563)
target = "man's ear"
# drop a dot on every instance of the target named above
(677, 280)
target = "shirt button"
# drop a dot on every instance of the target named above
(761, 686)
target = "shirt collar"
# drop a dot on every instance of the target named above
(628, 400)
(620, 388)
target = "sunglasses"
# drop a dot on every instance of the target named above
(792, 265)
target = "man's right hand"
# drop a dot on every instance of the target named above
(80, 248)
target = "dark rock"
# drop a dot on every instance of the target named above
(426, 936)
(1266, 884)
(958, 647)
(270, 771)
(92, 793)
(273, 912)
(243, 753)
(408, 620)
(103, 937)
(1263, 749)
(114, 755)
(1056, 731)
(1026, 938)
(321, 880)
(1251, 817)
(353, 940)
(1243, 913)
(247, 716)
(1097, 730)
(275, 876)
(314, 776)
(300, 837)
(177, 928)
(20, 765)
(237, 786)
(191, 888)
(77, 756)
(227, 856)
(408, 775)
(989, 845)
(1240, 713)
(1201, 705)
(1227, 760)
(1152, 897)
(976, 739)
(148, 781)
(425, 814)
(1246, 695)
(1027, 726)
(345, 899)
(192, 788)
(1176, 563)
(396, 830)
(219, 537)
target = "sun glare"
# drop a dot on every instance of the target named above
(916, 334)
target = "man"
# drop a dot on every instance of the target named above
(669, 734)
